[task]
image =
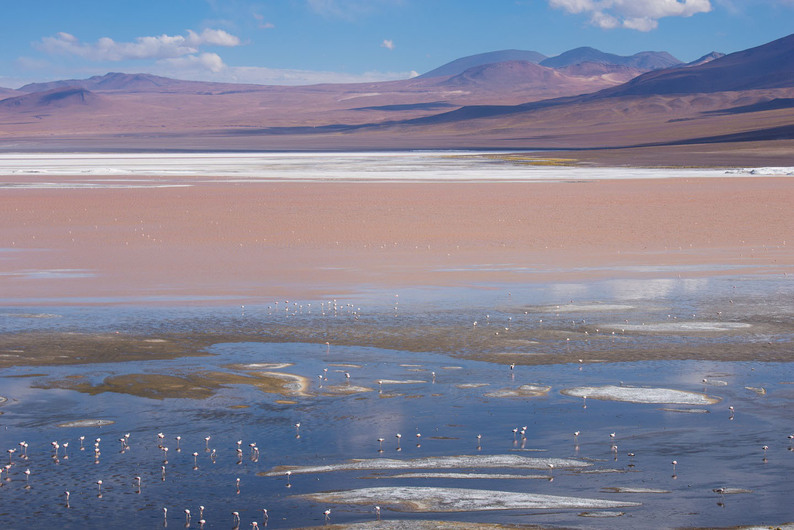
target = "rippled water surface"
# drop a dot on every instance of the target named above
(414, 362)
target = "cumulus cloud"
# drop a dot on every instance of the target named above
(159, 47)
(388, 44)
(203, 61)
(641, 15)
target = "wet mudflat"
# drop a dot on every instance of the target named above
(614, 404)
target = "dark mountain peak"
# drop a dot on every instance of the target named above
(584, 54)
(459, 66)
(770, 65)
(648, 60)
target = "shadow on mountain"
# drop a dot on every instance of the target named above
(431, 105)
(772, 104)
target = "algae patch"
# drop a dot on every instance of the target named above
(197, 385)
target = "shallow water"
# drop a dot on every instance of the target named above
(437, 371)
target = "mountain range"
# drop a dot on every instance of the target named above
(580, 99)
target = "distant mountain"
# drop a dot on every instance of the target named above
(600, 69)
(767, 66)
(50, 99)
(642, 61)
(506, 74)
(115, 81)
(7, 92)
(459, 66)
(705, 59)
(531, 78)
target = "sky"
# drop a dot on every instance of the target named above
(292, 42)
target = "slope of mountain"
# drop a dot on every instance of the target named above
(705, 59)
(117, 82)
(642, 61)
(508, 74)
(767, 66)
(611, 71)
(530, 78)
(59, 98)
(459, 66)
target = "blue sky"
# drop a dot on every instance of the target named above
(313, 41)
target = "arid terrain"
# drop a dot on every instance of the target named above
(730, 110)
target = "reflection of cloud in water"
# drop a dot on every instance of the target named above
(654, 289)
(641, 289)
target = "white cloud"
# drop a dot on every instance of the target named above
(159, 47)
(203, 61)
(641, 15)
(388, 44)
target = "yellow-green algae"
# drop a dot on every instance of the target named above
(196, 385)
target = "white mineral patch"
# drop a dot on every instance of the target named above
(678, 327)
(634, 490)
(522, 391)
(601, 514)
(263, 366)
(471, 385)
(640, 395)
(437, 462)
(30, 315)
(758, 390)
(3, 400)
(400, 381)
(576, 308)
(464, 476)
(174, 168)
(767, 171)
(686, 411)
(731, 491)
(421, 499)
(86, 423)
(347, 389)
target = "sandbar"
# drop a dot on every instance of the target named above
(424, 499)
